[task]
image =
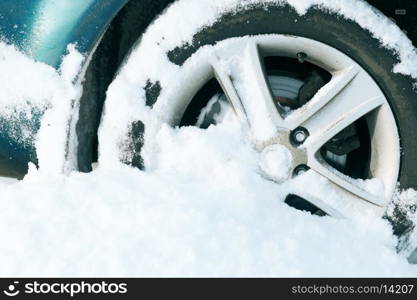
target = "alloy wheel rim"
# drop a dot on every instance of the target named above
(350, 94)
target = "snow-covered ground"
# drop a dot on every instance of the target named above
(202, 209)
(194, 215)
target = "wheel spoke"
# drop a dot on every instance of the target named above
(351, 103)
(228, 88)
(346, 183)
(319, 195)
(326, 94)
(340, 120)
(247, 89)
(310, 196)
(354, 102)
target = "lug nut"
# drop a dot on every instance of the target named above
(301, 170)
(299, 135)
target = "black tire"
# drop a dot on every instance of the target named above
(120, 37)
(326, 27)
(340, 33)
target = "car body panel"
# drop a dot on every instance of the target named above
(43, 28)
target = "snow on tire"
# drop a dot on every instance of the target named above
(329, 53)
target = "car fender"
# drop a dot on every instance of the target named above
(43, 29)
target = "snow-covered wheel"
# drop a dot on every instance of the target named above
(317, 92)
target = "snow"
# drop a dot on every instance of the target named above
(261, 122)
(51, 142)
(195, 215)
(217, 108)
(202, 207)
(31, 88)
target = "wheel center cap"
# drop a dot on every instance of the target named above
(276, 161)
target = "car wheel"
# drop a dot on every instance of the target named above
(316, 87)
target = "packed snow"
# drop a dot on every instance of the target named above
(193, 215)
(202, 207)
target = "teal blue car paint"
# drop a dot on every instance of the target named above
(43, 29)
